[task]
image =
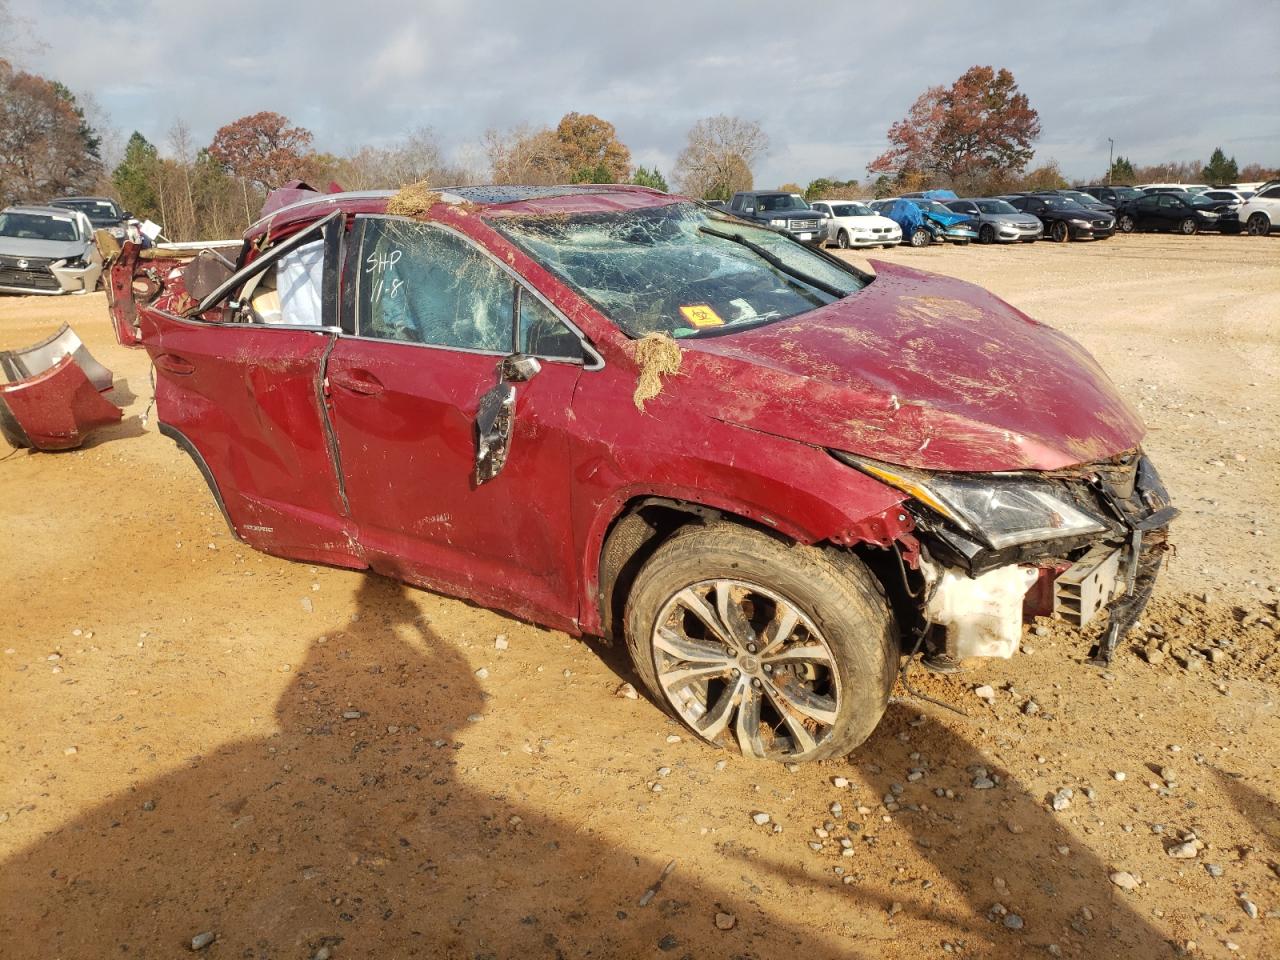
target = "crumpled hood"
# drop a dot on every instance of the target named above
(916, 369)
(41, 249)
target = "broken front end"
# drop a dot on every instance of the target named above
(999, 549)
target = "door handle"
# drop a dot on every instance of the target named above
(357, 381)
(172, 363)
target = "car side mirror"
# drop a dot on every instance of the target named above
(496, 415)
(518, 368)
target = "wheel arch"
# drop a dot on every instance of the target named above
(643, 523)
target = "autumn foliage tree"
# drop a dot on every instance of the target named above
(978, 130)
(46, 146)
(263, 148)
(591, 149)
(582, 148)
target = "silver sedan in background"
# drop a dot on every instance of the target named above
(999, 221)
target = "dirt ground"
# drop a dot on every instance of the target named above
(305, 762)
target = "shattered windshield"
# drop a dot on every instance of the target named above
(681, 269)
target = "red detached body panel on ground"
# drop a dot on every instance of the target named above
(56, 409)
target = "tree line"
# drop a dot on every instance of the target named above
(975, 136)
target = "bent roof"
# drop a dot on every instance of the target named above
(495, 198)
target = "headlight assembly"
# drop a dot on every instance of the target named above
(1002, 511)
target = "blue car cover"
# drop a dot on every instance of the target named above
(906, 215)
(943, 195)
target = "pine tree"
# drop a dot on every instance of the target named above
(645, 177)
(1121, 171)
(136, 178)
(1220, 169)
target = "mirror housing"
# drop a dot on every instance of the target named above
(518, 368)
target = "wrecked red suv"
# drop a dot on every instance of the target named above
(617, 412)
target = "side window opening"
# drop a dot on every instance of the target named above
(290, 291)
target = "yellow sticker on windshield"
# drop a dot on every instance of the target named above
(702, 316)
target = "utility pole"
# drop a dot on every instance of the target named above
(1111, 159)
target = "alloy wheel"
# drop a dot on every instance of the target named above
(743, 666)
(842, 240)
(1259, 225)
(1188, 226)
(1126, 224)
(1061, 232)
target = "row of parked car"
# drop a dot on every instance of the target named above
(1090, 213)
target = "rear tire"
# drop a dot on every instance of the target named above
(987, 234)
(920, 237)
(1259, 225)
(1061, 232)
(1187, 227)
(837, 659)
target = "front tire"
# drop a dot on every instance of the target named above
(921, 238)
(1259, 225)
(1061, 232)
(842, 240)
(1127, 224)
(1187, 227)
(779, 651)
(987, 234)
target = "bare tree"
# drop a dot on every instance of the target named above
(717, 160)
(183, 225)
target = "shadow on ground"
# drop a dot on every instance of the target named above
(356, 833)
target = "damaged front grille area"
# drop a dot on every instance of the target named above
(28, 273)
(1112, 571)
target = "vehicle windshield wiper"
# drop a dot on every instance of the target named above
(776, 262)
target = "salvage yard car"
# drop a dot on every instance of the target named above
(1065, 219)
(47, 250)
(103, 213)
(999, 221)
(1180, 212)
(616, 412)
(851, 224)
(782, 211)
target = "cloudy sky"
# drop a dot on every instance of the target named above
(1168, 79)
